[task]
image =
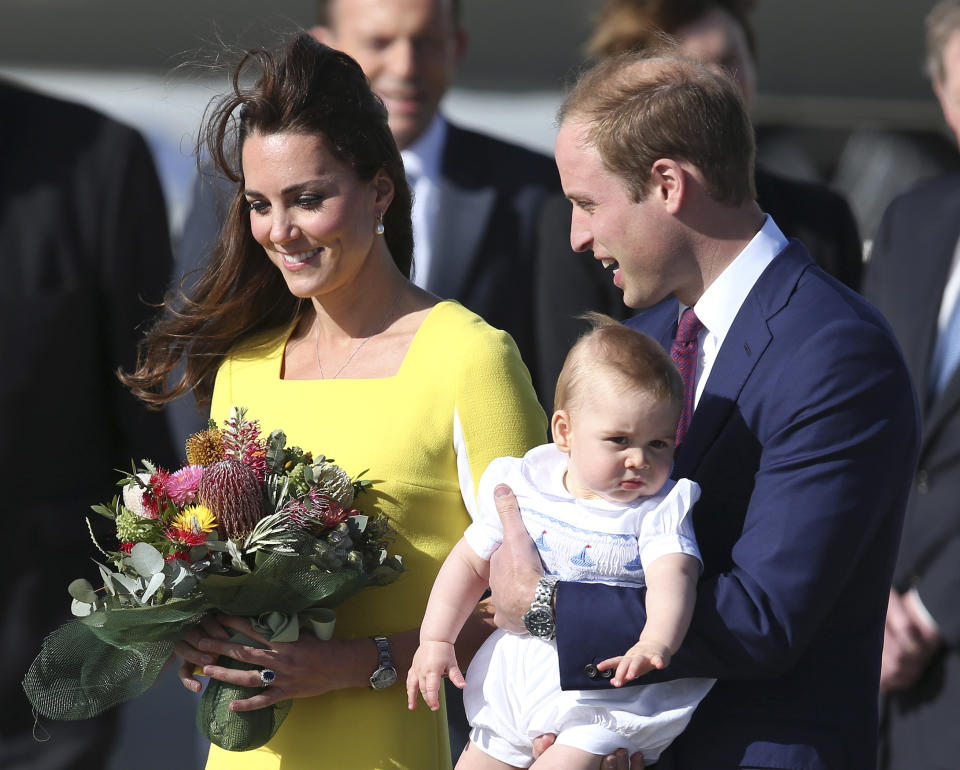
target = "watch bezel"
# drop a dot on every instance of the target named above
(383, 677)
(539, 622)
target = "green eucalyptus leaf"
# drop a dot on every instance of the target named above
(80, 609)
(82, 590)
(126, 584)
(146, 559)
(155, 582)
(107, 574)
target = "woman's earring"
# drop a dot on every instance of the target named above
(379, 228)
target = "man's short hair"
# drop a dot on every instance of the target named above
(324, 14)
(942, 21)
(640, 107)
(633, 25)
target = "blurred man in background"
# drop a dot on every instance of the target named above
(717, 32)
(83, 241)
(914, 277)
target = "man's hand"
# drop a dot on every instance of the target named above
(909, 641)
(643, 657)
(618, 761)
(515, 566)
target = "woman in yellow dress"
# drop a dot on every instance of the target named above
(305, 315)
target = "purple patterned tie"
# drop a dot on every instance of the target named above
(684, 354)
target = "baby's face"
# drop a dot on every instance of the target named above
(620, 443)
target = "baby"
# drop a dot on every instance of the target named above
(600, 505)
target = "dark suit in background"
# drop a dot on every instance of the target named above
(83, 236)
(905, 278)
(568, 284)
(803, 443)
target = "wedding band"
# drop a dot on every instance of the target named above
(267, 675)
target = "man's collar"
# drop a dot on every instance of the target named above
(424, 156)
(721, 301)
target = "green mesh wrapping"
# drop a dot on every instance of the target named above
(237, 731)
(96, 662)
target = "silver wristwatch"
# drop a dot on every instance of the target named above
(386, 673)
(539, 619)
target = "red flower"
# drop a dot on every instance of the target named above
(126, 548)
(156, 492)
(185, 537)
(181, 555)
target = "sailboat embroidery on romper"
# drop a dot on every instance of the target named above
(583, 559)
(541, 542)
(635, 565)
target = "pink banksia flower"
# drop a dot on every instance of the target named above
(182, 486)
(241, 441)
(231, 491)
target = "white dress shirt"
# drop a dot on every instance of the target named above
(720, 302)
(422, 161)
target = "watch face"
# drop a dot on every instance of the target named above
(539, 622)
(383, 677)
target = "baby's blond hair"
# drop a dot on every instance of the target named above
(632, 355)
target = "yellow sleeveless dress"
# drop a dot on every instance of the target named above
(462, 384)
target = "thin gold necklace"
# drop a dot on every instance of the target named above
(364, 341)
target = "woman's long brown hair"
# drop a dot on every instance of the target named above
(304, 88)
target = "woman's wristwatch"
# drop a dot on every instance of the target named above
(539, 619)
(386, 673)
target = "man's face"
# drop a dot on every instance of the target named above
(717, 39)
(948, 89)
(408, 49)
(637, 241)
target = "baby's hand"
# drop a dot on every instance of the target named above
(643, 657)
(431, 662)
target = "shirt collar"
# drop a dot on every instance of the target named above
(423, 157)
(720, 303)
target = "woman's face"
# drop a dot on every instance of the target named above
(311, 214)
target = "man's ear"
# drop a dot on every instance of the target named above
(668, 182)
(560, 429)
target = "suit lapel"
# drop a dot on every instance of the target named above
(463, 212)
(744, 345)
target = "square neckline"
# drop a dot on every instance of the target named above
(411, 350)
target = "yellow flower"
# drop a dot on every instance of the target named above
(196, 519)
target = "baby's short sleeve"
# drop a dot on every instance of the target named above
(668, 528)
(485, 534)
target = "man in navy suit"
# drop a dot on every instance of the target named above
(914, 278)
(803, 437)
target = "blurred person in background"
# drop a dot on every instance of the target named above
(83, 242)
(913, 277)
(717, 32)
(476, 198)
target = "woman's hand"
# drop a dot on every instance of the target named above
(303, 668)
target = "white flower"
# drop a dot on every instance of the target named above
(133, 497)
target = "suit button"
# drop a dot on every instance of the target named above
(608, 673)
(591, 671)
(923, 482)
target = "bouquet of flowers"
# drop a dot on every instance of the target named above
(249, 527)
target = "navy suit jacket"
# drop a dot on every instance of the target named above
(912, 256)
(803, 442)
